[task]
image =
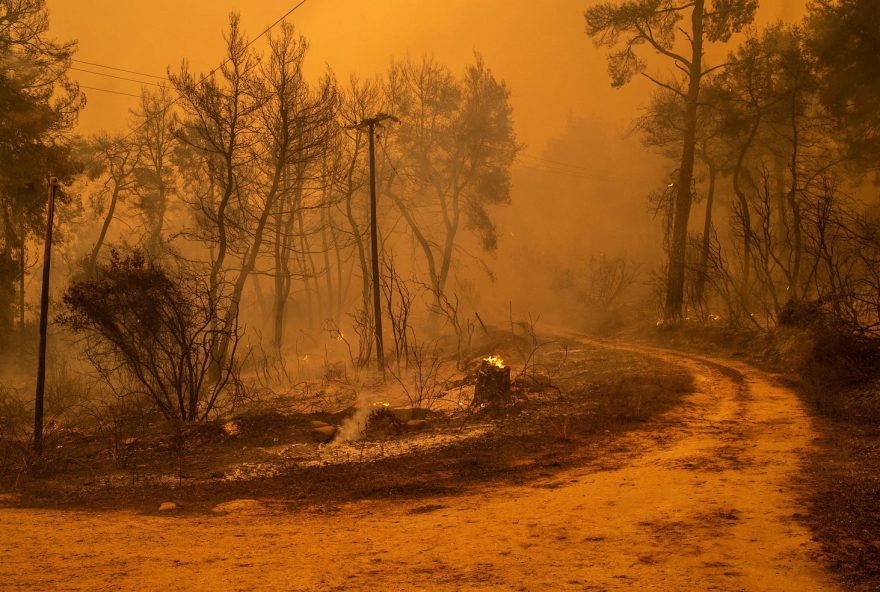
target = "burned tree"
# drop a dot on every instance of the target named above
(450, 156)
(492, 386)
(655, 24)
(254, 132)
(118, 158)
(219, 127)
(154, 127)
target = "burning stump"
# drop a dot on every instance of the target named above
(493, 383)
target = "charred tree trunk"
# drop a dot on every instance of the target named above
(310, 279)
(746, 217)
(794, 206)
(492, 387)
(682, 209)
(22, 270)
(325, 246)
(108, 219)
(700, 287)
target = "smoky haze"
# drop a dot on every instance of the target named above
(539, 48)
(580, 172)
(440, 294)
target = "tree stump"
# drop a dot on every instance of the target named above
(493, 383)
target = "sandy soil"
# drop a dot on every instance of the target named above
(706, 504)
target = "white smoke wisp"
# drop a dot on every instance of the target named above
(352, 429)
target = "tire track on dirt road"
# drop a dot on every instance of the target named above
(705, 502)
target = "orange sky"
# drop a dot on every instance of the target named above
(538, 46)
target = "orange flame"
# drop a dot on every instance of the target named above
(495, 361)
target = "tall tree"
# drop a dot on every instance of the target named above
(663, 127)
(39, 104)
(626, 26)
(256, 128)
(219, 126)
(154, 124)
(451, 156)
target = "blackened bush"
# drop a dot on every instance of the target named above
(155, 332)
(839, 353)
(805, 314)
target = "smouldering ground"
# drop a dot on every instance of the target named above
(704, 500)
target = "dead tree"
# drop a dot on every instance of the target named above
(154, 125)
(119, 159)
(255, 127)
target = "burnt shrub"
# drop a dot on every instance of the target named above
(154, 332)
(804, 314)
(836, 358)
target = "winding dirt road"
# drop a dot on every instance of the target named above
(704, 503)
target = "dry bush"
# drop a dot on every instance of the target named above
(601, 285)
(832, 360)
(534, 372)
(155, 332)
(120, 425)
(423, 379)
(16, 425)
(399, 295)
(68, 394)
(69, 401)
(382, 423)
(462, 325)
(362, 325)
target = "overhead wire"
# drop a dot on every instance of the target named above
(115, 92)
(115, 76)
(202, 79)
(119, 69)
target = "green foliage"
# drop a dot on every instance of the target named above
(39, 104)
(844, 37)
(726, 17)
(455, 141)
(624, 27)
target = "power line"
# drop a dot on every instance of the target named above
(273, 25)
(114, 76)
(115, 92)
(226, 61)
(120, 69)
(251, 42)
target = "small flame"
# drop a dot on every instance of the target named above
(495, 361)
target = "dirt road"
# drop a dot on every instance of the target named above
(705, 503)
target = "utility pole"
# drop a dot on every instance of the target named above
(370, 125)
(44, 321)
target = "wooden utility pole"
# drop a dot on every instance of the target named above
(370, 125)
(374, 254)
(44, 321)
